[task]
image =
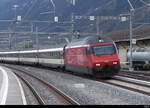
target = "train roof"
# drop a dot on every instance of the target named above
(89, 40)
(34, 51)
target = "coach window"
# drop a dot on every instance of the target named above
(13, 55)
(54, 54)
(57, 54)
(9, 55)
(41, 55)
(20, 55)
(50, 53)
(30, 55)
(2, 55)
(24, 55)
(47, 54)
(35, 55)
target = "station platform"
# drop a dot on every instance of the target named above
(11, 91)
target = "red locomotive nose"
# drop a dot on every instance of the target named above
(103, 60)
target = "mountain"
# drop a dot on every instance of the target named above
(32, 9)
(43, 10)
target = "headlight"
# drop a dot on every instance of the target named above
(98, 65)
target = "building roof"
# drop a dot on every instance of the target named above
(123, 35)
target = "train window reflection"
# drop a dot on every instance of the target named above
(104, 50)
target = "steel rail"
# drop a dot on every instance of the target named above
(38, 97)
(62, 94)
(127, 87)
(136, 74)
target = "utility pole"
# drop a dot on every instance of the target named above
(131, 38)
(10, 41)
(15, 8)
(97, 25)
(131, 35)
(72, 20)
(9, 38)
(72, 25)
(37, 39)
(37, 44)
(32, 27)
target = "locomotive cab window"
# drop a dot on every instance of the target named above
(88, 51)
(104, 50)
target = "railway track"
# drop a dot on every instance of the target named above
(52, 94)
(141, 75)
(36, 95)
(128, 83)
(134, 85)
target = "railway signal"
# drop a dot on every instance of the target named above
(56, 19)
(123, 19)
(18, 18)
(134, 41)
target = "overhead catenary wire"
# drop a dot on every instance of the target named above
(147, 4)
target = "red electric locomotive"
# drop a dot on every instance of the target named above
(92, 55)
